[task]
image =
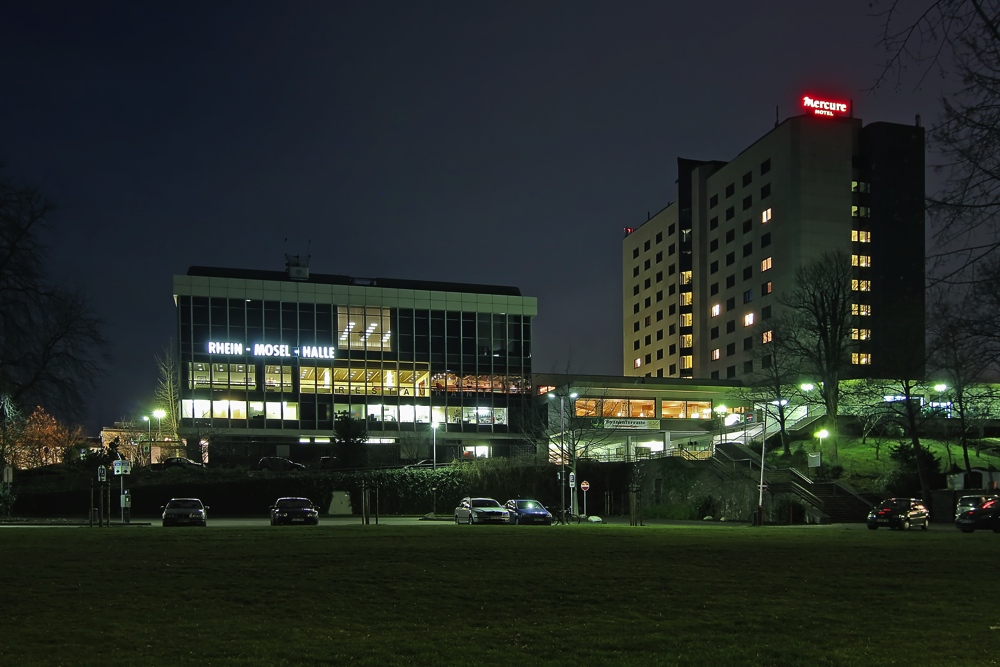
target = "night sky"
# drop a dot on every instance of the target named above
(482, 142)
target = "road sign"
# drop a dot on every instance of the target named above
(102, 474)
(585, 485)
(122, 467)
(762, 487)
(572, 480)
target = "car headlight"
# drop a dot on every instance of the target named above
(281, 514)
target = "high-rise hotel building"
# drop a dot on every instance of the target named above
(702, 277)
(268, 359)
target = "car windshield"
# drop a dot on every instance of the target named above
(484, 502)
(529, 505)
(895, 505)
(185, 504)
(294, 503)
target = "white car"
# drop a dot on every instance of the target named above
(480, 510)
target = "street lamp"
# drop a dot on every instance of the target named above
(159, 414)
(562, 444)
(434, 445)
(822, 433)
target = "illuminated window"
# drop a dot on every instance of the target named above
(766, 337)
(861, 309)
(859, 186)
(859, 211)
(861, 358)
(861, 260)
(765, 288)
(716, 310)
(861, 285)
(687, 340)
(685, 277)
(686, 298)
(687, 361)
(765, 215)
(861, 334)
(366, 328)
(765, 264)
(748, 320)
(861, 237)
(637, 362)
(716, 354)
(686, 319)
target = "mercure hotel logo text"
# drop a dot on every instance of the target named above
(824, 107)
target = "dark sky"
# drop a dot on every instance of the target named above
(503, 143)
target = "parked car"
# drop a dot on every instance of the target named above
(986, 515)
(899, 513)
(425, 463)
(180, 462)
(278, 464)
(294, 510)
(480, 510)
(966, 503)
(185, 512)
(524, 512)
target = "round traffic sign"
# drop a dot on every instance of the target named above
(584, 485)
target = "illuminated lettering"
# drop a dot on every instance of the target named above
(268, 350)
(824, 107)
(225, 348)
(317, 352)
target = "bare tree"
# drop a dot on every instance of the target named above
(960, 41)
(168, 392)
(816, 326)
(51, 347)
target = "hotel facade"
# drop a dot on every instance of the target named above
(703, 277)
(268, 359)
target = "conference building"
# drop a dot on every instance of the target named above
(267, 360)
(703, 277)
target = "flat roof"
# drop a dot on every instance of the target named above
(330, 279)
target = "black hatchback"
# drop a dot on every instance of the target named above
(899, 513)
(986, 515)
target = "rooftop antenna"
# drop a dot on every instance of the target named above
(776, 115)
(297, 265)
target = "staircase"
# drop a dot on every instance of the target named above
(841, 504)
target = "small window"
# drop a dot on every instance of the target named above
(715, 375)
(747, 178)
(748, 366)
(713, 289)
(659, 257)
(672, 329)
(765, 288)
(635, 272)
(861, 285)
(861, 309)
(730, 189)
(673, 369)
(747, 272)
(765, 337)
(730, 303)
(861, 260)
(686, 298)
(730, 236)
(671, 269)
(648, 320)
(730, 281)
(730, 349)
(765, 264)
(713, 201)
(672, 349)
(765, 240)
(635, 253)
(635, 308)
(671, 249)
(765, 191)
(648, 302)
(748, 343)
(765, 166)
(748, 320)
(637, 362)
(659, 276)
(671, 309)
(659, 296)
(861, 358)
(730, 326)
(747, 202)
(730, 258)
(671, 289)
(748, 296)
(685, 277)
(648, 339)
(713, 223)
(648, 358)
(635, 344)
(635, 290)
(730, 213)
(765, 313)
(713, 267)
(646, 283)
(747, 226)
(747, 249)
(635, 326)
(659, 315)
(716, 310)
(716, 354)
(670, 230)
(713, 333)
(646, 264)
(861, 334)
(659, 334)
(765, 216)
(659, 354)
(730, 372)
(645, 246)
(860, 211)
(713, 245)
(861, 237)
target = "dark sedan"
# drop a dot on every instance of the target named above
(524, 512)
(185, 512)
(985, 516)
(899, 513)
(294, 510)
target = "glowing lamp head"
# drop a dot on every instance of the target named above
(940, 387)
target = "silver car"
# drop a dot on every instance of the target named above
(966, 503)
(480, 510)
(185, 512)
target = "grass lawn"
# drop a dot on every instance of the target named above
(464, 596)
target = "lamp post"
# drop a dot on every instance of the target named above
(562, 445)
(159, 414)
(149, 436)
(434, 445)
(822, 433)
(720, 412)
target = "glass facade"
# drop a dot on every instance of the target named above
(292, 366)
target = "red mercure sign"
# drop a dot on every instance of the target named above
(824, 107)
